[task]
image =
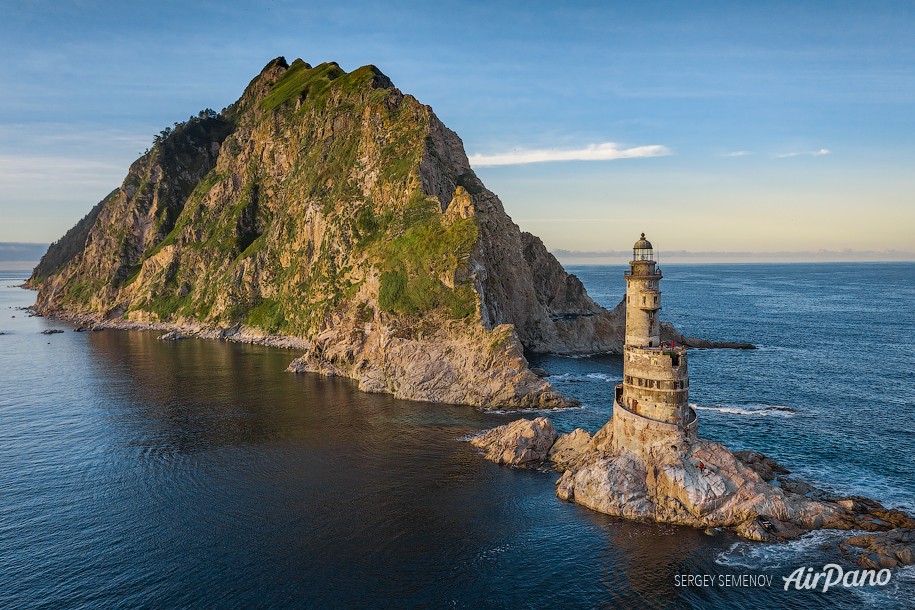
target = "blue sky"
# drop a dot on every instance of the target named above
(759, 127)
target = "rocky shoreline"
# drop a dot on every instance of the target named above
(703, 485)
(437, 368)
(251, 336)
(442, 367)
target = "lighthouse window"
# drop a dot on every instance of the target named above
(656, 300)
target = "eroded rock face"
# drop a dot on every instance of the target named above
(524, 442)
(765, 467)
(703, 484)
(884, 550)
(171, 336)
(435, 368)
(569, 448)
(670, 334)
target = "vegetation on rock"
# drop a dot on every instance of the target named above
(330, 207)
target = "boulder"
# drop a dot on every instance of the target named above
(171, 336)
(523, 443)
(890, 549)
(569, 449)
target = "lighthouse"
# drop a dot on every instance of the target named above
(651, 405)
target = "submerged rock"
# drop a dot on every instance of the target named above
(171, 336)
(670, 334)
(51, 331)
(524, 442)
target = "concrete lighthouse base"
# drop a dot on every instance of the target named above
(633, 432)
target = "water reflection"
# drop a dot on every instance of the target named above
(351, 496)
(197, 473)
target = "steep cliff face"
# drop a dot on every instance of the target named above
(331, 207)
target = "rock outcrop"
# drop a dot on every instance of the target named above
(569, 449)
(329, 209)
(444, 365)
(524, 442)
(670, 334)
(171, 336)
(883, 550)
(703, 484)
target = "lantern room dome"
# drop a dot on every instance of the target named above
(642, 244)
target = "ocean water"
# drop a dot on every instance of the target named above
(196, 473)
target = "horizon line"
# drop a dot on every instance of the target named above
(779, 256)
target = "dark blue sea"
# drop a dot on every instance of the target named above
(140, 473)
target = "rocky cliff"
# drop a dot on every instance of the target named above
(330, 208)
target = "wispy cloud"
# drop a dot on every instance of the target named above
(607, 151)
(737, 153)
(807, 153)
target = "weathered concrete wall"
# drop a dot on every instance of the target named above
(656, 383)
(652, 404)
(643, 302)
(637, 434)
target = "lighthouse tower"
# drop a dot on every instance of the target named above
(651, 405)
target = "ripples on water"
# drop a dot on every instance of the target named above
(138, 472)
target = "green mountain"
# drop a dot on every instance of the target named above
(330, 211)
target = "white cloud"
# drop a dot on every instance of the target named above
(607, 151)
(809, 153)
(737, 153)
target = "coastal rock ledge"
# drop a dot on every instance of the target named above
(701, 484)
